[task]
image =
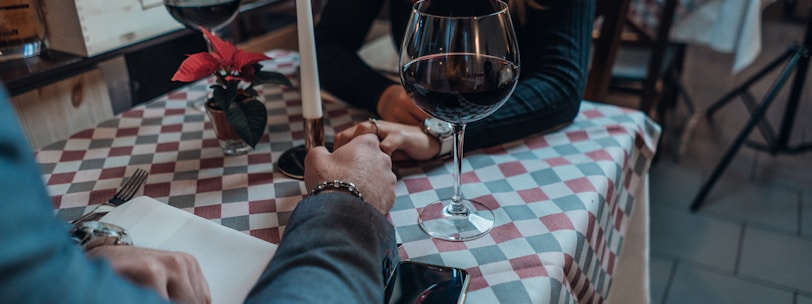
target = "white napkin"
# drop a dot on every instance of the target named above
(232, 261)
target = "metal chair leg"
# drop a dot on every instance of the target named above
(755, 118)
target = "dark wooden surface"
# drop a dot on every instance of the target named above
(23, 75)
(605, 47)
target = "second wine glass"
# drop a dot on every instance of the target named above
(459, 63)
(211, 15)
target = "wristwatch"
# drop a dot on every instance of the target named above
(441, 130)
(92, 234)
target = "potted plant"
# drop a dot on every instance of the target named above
(233, 98)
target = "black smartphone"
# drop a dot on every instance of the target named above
(413, 282)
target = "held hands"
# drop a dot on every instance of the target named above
(176, 276)
(359, 161)
(401, 135)
(396, 106)
(399, 140)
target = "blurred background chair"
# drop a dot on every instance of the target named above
(648, 63)
(641, 63)
(610, 16)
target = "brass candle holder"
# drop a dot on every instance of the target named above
(292, 162)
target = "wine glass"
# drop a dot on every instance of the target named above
(459, 63)
(209, 14)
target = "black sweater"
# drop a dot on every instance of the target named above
(554, 45)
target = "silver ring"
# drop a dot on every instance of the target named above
(375, 123)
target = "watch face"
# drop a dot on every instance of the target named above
(438, 127)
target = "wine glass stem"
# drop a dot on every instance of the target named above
(208, 43)
(456, 207)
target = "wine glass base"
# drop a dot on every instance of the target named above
(439, 223)
(199, 104)
(234, 147)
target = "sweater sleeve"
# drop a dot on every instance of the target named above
(39, 263)
(336, 249)
(554, 48)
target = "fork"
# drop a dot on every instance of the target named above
(125, 193)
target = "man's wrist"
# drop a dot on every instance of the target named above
(92, 234)
(337, 185)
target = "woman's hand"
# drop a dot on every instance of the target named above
(399, 140)
(396, 106)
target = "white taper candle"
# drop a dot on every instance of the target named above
(308, 68)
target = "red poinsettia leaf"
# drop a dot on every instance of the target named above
(230, 78)
(195, 67)
(247, 73)
(223, 62)
(245, 59)
(224, 51)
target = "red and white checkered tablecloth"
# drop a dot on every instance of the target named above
(562, 201)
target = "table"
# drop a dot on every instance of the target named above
(729, 26)
(563, 201)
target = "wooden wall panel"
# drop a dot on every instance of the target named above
(56, 111)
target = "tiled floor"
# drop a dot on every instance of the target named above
(751, 242)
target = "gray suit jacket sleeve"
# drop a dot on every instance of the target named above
(336, 249)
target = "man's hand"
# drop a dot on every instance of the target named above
(359, 161)
(176, 276)
(396, 106)
(399, 140)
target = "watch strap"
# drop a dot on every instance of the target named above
(446, 146)
(92, 234)
(444, 135)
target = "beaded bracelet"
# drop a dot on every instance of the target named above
(337, 185)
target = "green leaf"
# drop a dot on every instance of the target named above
(249, 119)
(251, 91)
(265, 77)
(224, 96)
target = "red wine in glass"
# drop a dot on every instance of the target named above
(459, 87)
(210, 14)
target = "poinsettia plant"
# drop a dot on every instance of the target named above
(236, 73)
